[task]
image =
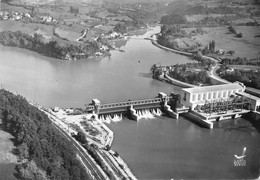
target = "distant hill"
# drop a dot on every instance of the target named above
(33, 2)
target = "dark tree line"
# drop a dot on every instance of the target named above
(128, 26)
(52, 48)
(209, 48)
(93, 152)
(74, 10)
(193, 73)
(43, 151)
(240, 61)
(232, 30)
(173, 19)
(182, 73)
(249, 78)
(168, 35)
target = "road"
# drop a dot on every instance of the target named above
(111, 164)
(214, 75)
(92, 168)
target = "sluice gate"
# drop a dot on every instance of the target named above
(130, 106)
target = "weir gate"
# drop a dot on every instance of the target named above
(132, 105)
(204, 113)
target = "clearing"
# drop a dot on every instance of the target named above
(247, 46)
(8, 160)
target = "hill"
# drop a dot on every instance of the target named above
(43, 152)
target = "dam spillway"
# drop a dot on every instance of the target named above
(130, 106)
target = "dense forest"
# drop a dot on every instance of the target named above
(173, 19)
(191, 73)
(128, 26)
(250, 78)
(43, 152)
(51, 48)
(169, 34)
(240, 61)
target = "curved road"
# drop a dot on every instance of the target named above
(212, 73)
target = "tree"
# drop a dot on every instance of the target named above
(120, 28)
(30, 170)
(81, 137)
(22, 151)
(44, 151)
(212, 46)
(173, 19)
(205, 50)
(239, 35)
(232, 29)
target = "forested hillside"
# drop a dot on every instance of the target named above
(44, 153)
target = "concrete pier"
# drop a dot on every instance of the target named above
(167, 109)
(198, 119)
(133, 113)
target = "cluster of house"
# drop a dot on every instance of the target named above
(16, 16)
(47, 19)
(113, 35)
(223, 52)
(102, 49)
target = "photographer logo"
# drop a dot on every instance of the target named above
(239, 160)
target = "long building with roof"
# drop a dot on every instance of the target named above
(218, 102)
(191, 97)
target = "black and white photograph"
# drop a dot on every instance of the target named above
(129, 89)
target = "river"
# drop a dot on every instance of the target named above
(160, 148)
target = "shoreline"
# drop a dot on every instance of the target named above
(176, 82)
(108, 156)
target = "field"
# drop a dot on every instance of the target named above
(247, 46)
(197, 17)
(29, 28)
(245, 67)
(7, 171)
(6, 147)
(67, 34)
(5, 7)
(8, 160)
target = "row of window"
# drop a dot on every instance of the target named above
(131, 102)
(214, 95)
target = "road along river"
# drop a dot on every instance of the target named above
(160, 148)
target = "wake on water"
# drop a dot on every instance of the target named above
(142, 114)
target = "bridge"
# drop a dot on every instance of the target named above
(131, 106)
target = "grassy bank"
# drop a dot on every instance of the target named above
(8, 160)
(7, 171)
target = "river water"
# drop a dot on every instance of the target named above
(160, 148)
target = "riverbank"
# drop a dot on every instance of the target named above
(212, 73)
(73, 83)
(102, 139)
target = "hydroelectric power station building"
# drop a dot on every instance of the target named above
(202, 104)
(200, 95)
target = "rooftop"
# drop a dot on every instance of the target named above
(214, 88)
(257, 91)
(248, 96)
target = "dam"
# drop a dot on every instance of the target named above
(132, 106)
(203, 105)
